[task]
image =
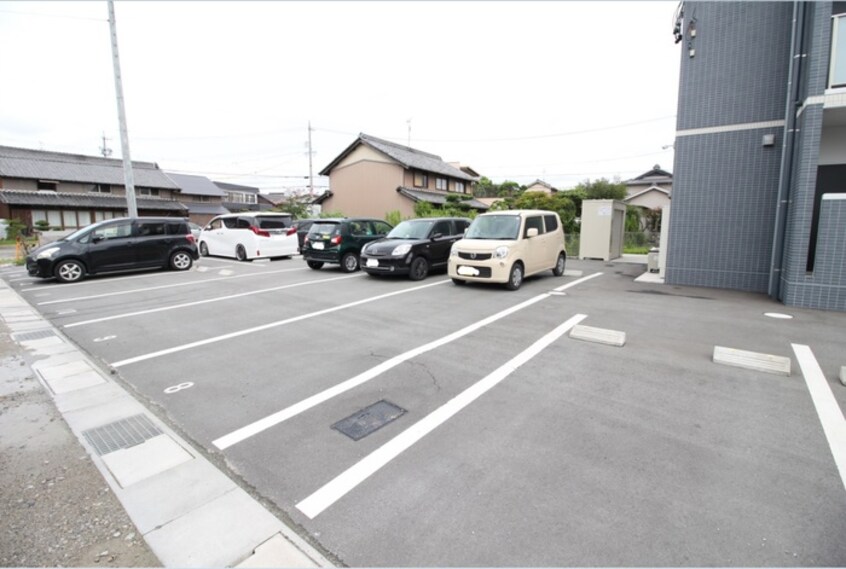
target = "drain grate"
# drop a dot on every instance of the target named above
(37, 335)
(121, 434)
(369, 420)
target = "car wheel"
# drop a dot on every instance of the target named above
(181, 261)
(459, 282)
(349, 262)
(241, 253)
(314, 264)
(559, 265)
(419, 269)
(204, 249)
(515, 277)
(69, 271)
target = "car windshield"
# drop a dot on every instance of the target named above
(323, 230)
(81, 232)
(494, 227)
(411, 229)
(273, 222)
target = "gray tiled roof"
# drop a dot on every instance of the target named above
(439, 198)
(406, 156)
(84, 200)
(236, 187)
(41, 165)
(195, 185)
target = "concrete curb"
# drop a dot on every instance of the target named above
(190, 513)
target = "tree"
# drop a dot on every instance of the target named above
(295, 204)
(601, 189)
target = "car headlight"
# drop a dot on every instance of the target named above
(453, 251)
(501, 252)
(47, 253)
(401, 250)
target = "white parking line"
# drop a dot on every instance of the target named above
(359, 472)
(828, 410)
(231, 335)
(160, 287)
(265, 423)
(205, 301)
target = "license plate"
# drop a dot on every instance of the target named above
(468, 271)
(317, 245)
(372, 263)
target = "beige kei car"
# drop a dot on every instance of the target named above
(507, 246)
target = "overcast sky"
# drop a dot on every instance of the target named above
(555, 90)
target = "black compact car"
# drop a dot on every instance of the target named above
(122, 244)
(303, 226)
(339, 241)
(414, 247)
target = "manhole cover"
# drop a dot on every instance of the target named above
(37, 335)
(121, 434)
(369, 420)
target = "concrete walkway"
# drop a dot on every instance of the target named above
(190, 513)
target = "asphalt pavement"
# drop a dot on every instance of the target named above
(156, 499)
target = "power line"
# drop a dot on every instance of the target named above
(527, 137)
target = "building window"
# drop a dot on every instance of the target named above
(441, 184)
(837, 72)
(102, 188)
(48, 185)
(459, 187)
(148, 192)
(241, 197)
(421, 180)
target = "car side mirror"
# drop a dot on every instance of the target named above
(437, 236)
(96, 238)
(532, 232)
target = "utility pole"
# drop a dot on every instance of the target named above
(409, 132)
(310, 174)
(129, 180)
(105, 150)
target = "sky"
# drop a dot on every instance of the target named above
(560, 91)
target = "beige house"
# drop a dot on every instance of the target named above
(373, 177)
(541, 186)
(651, 190)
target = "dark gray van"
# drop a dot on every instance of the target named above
(122, 244)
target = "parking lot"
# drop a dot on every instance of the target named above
(497, 439)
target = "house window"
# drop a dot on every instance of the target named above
(241, 197)
(441, 184)
(48, 185)
(421, 180)
(148, 191)
(837, 71)
(102, 188)
(69, 220)
(459, 187)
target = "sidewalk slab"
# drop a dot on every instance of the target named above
(215, 535)
(276, 552)
(160, 499)
(151, 457)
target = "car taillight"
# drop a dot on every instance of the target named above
(291, 230)
(259, 232)
(336, 240)
(306, 240)
(190, 238)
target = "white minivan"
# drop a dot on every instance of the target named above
(250, 235)
(507, 246)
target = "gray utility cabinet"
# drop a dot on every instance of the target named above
(603, 224)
